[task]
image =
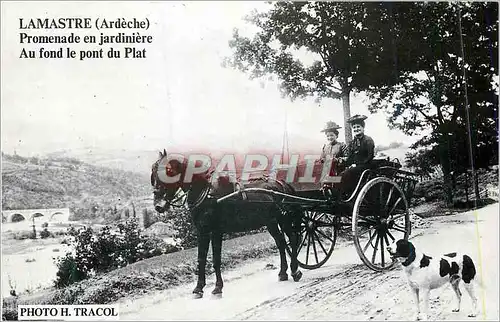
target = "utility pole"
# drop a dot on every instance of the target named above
(467, 108)
(34, 229)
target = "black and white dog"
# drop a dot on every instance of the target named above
(425, 273)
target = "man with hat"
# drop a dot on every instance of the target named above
(360, 154)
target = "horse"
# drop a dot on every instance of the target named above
(212, 219)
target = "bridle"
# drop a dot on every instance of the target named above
(181, 196)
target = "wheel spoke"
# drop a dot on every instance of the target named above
(321, 216)
(394, 207)
(314, 247)
(399, 229)
(389, 197)
(368, 243)
(375, 250)
(368, 204)
(308, 245)
(320, 244)
(386, 239)
(390, 235)
(365, 231)
(398, 216)
(323, 223)
(302, 242)
(322, 234)
(372, 221)
(382, 250)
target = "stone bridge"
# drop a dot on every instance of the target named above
(49, 215)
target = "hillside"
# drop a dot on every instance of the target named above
(139, 161)
(65, 182)
(97, 180)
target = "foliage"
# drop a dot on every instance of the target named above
(348, 42)
(423, 161)
(45, 233)
(9, 309)
(434, 99)
(108, 249)
(22, 235)
(148, 218)
(68, 272)
(185, 230)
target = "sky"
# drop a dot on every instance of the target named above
(179, 95)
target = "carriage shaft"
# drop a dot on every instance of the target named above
(261, 190)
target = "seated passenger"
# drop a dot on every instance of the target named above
(360, 153)
(333, 150)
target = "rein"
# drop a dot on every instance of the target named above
(173, 202)
(201, 197)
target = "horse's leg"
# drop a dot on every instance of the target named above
(281, 243)
(293, 233)
(216, 252)
(203, 243)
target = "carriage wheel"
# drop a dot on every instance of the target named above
(380, 216)
(317, 237)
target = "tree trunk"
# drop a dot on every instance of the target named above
(467, 186)
(444, 159)
(347, 115)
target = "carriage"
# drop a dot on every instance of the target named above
(303, 222)
(377, 213)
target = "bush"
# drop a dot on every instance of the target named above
(22, 235)
(68, 272)
(9, 309)
(59, 233)
(45, 233)
(149, 217)
(108, 249)
(185, 229)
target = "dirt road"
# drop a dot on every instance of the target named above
(343, 289)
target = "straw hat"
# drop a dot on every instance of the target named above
(330, 126)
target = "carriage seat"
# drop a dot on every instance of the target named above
(385, 162)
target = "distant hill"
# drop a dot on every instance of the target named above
(140, 161)
(86, 178)
(51, 182)
(136, 161)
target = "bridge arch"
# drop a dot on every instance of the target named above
(17, 217)
(57, 216)
(36, 215)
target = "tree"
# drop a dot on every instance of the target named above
(146, 218)
(423, 161)
(434, 98)
(351, 44)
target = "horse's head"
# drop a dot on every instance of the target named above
(166, 179)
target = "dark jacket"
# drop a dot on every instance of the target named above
(361, 150)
